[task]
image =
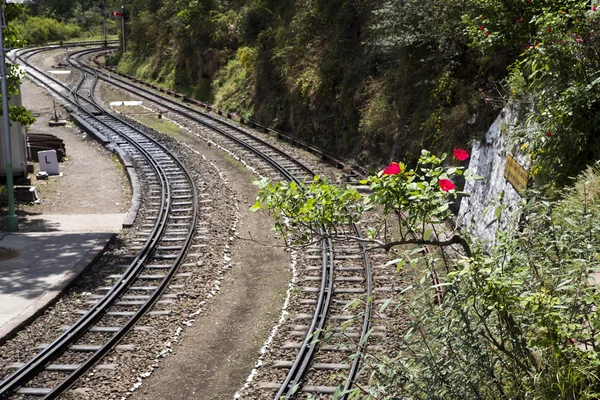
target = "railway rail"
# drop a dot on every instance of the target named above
(343, 270)
(319, 318)
(285, 166)
(169, 233)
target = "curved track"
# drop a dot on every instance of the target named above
(174, 206)
(329, 292)
(343, 270)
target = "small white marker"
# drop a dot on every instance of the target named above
(125, 103)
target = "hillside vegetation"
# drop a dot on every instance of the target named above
(375, 80)
(379, 80)
(53, 20)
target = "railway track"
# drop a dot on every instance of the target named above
(276, 163)
(341, 271)
(171, 221)
(324, 305)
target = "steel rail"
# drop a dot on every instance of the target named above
(307, 351)
(35, 365)
(309, 346)
(77, 95)
(366, 319)
(191, 113)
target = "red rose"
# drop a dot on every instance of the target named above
(481, 28)
(460, 154)
(446, 185)
(548, 133)
(487, 34)
(392, 169)
(571, 340)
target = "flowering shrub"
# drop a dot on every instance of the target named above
(555, 78)
(422, 195)
(517, 321)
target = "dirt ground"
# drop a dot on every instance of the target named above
(92, 181)
(213, 357)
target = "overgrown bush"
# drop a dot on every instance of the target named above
(517, 321)
(37, 30)
(555, 78)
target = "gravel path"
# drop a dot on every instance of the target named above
(230, 299)
(93, 181)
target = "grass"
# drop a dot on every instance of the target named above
(90, 38)
(159, 124)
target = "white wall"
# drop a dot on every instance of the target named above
(17, 145)
(488, 159)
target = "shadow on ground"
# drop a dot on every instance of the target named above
(30, 222)
(44, 258)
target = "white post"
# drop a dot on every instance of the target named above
(12, 222)
(123, 27)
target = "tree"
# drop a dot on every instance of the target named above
(13, 40)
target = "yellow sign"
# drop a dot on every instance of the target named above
(516, 174)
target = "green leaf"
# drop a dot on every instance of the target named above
(385, 305)
(428, 232)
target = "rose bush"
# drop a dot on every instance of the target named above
(518, 320)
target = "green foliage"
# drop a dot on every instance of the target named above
(429, 90)
(375, 80)
(61, 10)
(255, 18)
(234, 85)
(54, 20)
(518, 320)
(12, 39)
(37, 30)
(555, 78)
(180, 44)
(302, 212)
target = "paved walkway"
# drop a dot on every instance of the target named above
(40, 261)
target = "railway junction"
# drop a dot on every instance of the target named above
(196, 297)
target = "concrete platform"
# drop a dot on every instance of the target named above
(36, 267)
(71, 223)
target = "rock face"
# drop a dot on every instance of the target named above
(488, 159)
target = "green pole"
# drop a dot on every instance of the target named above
(12, 222)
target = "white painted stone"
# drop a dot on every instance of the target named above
(125, 103)
(48, 162)
(488, 159)
(59, 72)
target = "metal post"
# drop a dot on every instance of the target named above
(12, 222)
(104, 19)
(123, 27)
